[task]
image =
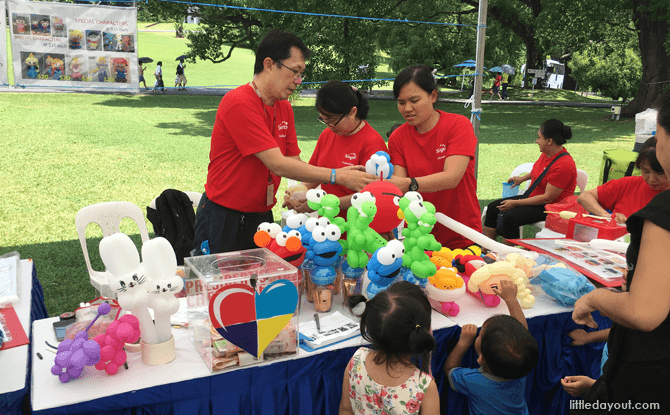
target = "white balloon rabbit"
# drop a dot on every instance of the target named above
(161, 268)
(129, 280)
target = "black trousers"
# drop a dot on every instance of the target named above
(512, 219)
(225, 230)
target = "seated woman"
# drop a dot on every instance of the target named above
(348, 141)
(433, 153)
(558, 183)
(627, 195)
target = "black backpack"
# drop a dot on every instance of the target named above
(174, 220)
(180, 70)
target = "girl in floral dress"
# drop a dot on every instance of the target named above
(384, 379)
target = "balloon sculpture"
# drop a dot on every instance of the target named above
(73, 355)
(287, 245)
(324, 253)
(384, 266)
(446, 287)
(380, 165)
(327, 206)
(112, 355)
(360, 237)
(420, 219)
(140, 286)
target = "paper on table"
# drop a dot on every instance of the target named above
(335, 327)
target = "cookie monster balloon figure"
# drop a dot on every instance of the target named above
(384, 266)
(420, 219)
(325, 248)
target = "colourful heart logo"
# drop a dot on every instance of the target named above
(251, 320)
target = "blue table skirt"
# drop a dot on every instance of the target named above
(313, 385)
(12, 403)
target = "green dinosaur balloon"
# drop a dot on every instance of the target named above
(420, 219)
(360, 237)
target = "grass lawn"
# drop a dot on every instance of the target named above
(67, 151)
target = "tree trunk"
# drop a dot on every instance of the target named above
(655, 60)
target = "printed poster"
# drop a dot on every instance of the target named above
(73, 45)
(3, 46)
(605, 265)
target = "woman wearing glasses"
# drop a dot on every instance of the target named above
(433, 153)
(348, 139)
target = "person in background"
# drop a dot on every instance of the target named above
(506, 352)
(505, 82)
(505, 216)
(181, 77)
(382, 378)
(142, 80)
(496, 86)
(159, 77)
(637, 370)
(627, 195)
(433, 153)
(254, 144)
(348, 139)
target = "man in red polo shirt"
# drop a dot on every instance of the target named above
(253, 145)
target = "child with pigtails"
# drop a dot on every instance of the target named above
(383, 379)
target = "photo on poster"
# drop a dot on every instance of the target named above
(120, 70)
(55, 66)
(98, 69)
(75, 37)
(108, 41)
(40, 24)
(127, 44)
(77, 69)
(31, 64)
(20, 24)
(93, 41)
(58, 27)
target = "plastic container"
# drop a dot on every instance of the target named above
(252, 271)
(509, 191)
(584, 229)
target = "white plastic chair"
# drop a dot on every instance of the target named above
(108, 216)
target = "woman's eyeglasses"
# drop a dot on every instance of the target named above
(330, 123)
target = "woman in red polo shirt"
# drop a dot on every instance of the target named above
(627, 195)
(348, 139)
(433, 153)
(558, 183)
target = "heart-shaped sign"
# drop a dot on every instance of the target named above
(251, 320)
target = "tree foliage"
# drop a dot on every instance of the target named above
(613, 71)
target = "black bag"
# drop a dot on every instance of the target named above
(174, 220)
(180, 70)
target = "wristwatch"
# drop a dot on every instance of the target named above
(413, 185)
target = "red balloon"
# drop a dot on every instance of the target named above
(387, 195)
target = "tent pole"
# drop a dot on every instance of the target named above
(481, 37)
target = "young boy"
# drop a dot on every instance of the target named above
(507, 353)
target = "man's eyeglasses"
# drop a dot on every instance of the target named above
(330, 123)
(296, 75)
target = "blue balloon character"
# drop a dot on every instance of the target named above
(295, 222)
(384, 267)
(325, 251)
(380, 165)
